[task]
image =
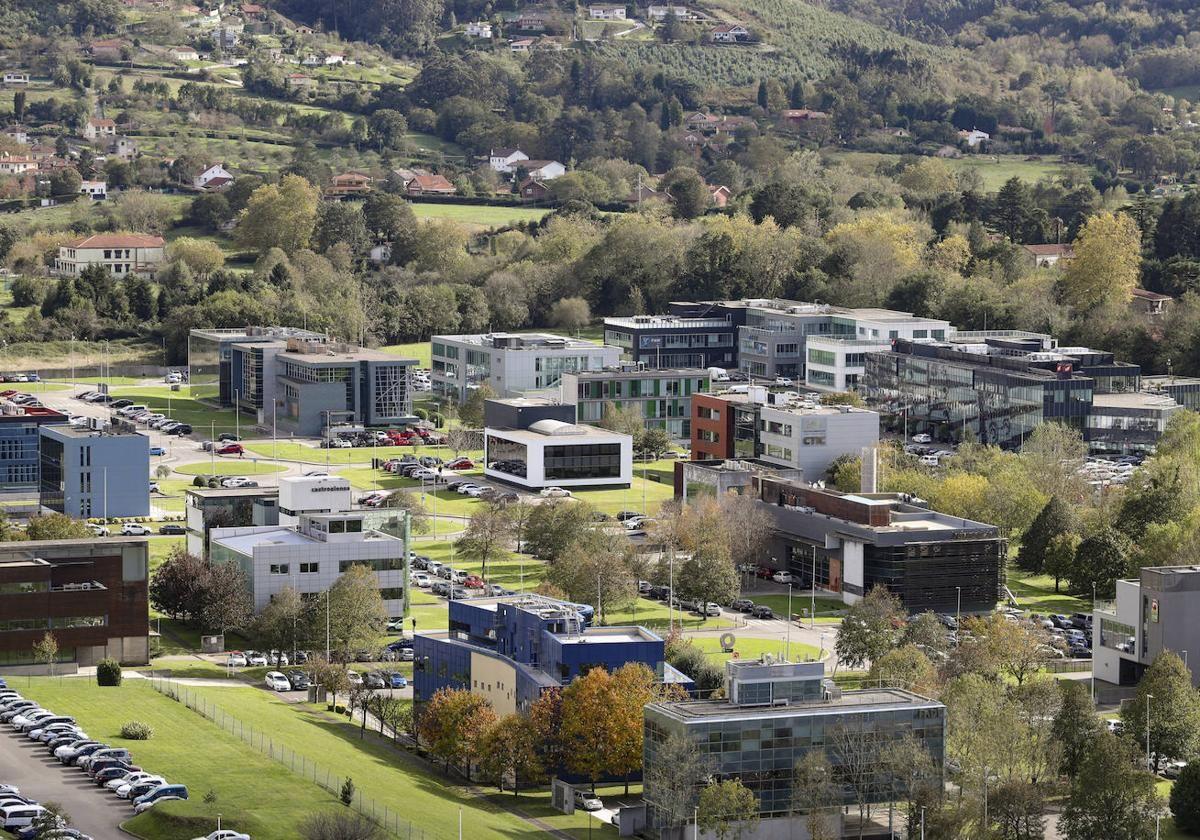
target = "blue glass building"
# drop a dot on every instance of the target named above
(19, 466)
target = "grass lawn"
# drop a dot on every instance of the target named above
(226, 466)
(643, 493)
(754, 648)
(994, 169)
(800, 604)
(180, 406)
(380, 772)
(288, 451)
(253, 793)
(96, 380)
(1035, 593)
(419, 350)
(655, 614)
(160, 547)
(478, 215)
(170, 494)
(36, 387)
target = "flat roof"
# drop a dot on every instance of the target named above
(867, 700)
(647, 373)
(31, 411)
(246, 543)
(107, 431)
(361, 354)
(609, 635)
(222, 492)
(818, 409)
(585, 435)
(534, 340)
(252, 331)
(666, 322)
(1136, 399)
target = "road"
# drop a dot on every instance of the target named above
(40, 776)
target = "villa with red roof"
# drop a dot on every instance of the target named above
(120, 253)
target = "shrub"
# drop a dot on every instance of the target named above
(347, 795)
(135, 730)
(339, 826)
(1185, 799)
(108, 672)
(200, 481)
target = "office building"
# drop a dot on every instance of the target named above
(1121, 424)
(773, 714)
(94, 472)
(1185, 390)
(19, 439)
(719, 477)
(512, 364)
(853, 542)
(782, 428)
(535, 444)
(662, 398)
(1152, 613)
(210, 358)
(225, 507)
(313, 555)
(91, 594)
(301, 495)
(673, 341)
(512, 648)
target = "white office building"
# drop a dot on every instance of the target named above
(511, 363)
(313, 555)
(551, 453)
(304, 495)
(810, 437)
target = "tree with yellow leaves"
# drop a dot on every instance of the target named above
(1105, 268)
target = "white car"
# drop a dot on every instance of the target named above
(253, 658)
(922, 438)
(354, 677)
(783, 380)
(134, 529)
(930, 460)
(463, 489)
(135, 778)
(277, 681)
(236, 660)
(555, 493)
(475, 492)
(587, 801)
(224, 834)
(336, 443)
(99, 530)
(782, 577)
(19, 815)
(422, 580)
(237, 481)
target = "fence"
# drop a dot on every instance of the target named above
(298, 763)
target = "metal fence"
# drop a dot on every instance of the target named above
(298, 763)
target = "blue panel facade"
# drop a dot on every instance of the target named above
(87, 474)
(19, 468)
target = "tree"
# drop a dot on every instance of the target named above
(510, 750)
(390, 218)
(356, 613)
(471, 411)
(460, 439)
(1111, 796)
(749, 528)
(418, 514)
(588, 728)
(200, 255)
(1060, 557)
(1157, 499)
(387, 129)
(1076, 726)
(546, 717)
(997, 647)
(1185, 800)
(1174, 711)
(1100, 560)
(210, 210)
(554, 526)
(452, 727)
(279, 216)
(905, 667)
(340, 222)
(1018, 807)
(174, 584)
(56, 526)
(570, 314)
(224, 601)
(689, 195)
(1016, 215)
(911, 776)
(595, 568)
(815, 795)
(65, 181)
(727, 809)
(45, 651)
(652, 441)
(926, 633)
(283, 624)
(53, 816)
(856, 760)
(671, 779)
(870, 628)
(486, 537)
(1053, 520)
(1106, 265)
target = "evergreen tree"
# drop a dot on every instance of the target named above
(763, 96)
(1185, 800)
(1174, 715)
(1054, 519)
(1100, 560)
(1161, 499)
(796, 96)
(1076, 725)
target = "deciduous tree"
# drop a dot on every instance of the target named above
(356, 613)
(279, 215)
(671, 781)
(452, 727)
(1111, 796)
(1174, 709)
(1053, 520)
(1106, 265)
(727, 809)
(56, 526)
(486, 538)
(815, 794)
(1076, 725)
(870, 628)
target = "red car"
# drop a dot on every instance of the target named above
(231, 449)
(473, 582)
(460, 464)
(424, 433)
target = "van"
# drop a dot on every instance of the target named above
(19, 815)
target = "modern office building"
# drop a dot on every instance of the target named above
(313, 555)
(773, 714)
(512, 364)
(663, 398)
(1120, 424)
(782, 428)
(302, 495)
(210, 358)
(512, 648)
(94, 472)
(1152, 613)
(226, 507)
(535, 443)
(19, 440)
(91, 594)
(719, 477)
(672, 341)
(856, 541)
(1185, 390)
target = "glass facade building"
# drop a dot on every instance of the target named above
(663, 398)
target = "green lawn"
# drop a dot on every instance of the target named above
(227, 465)
(380, 772)
(170, 496)
(994, 169)
(253, 793)
(1036, 594)
(160, 547)
(643, 494)
(182, 407)
(96, 380)
(478, 215)
(656, 614)
(800, 605)
(754, 648)
(419, 350)
(302, 452)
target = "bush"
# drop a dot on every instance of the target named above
(347, 795)
(339, 826)
(1185, 799)
(135, 730)
(108, 672)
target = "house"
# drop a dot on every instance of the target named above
(659, 13)
(333, 59)
(349, 183)
(479, 29)
(720, 195)
(183, 54)
(607, 12)
(533, 190)
(311, 60)
(229, 37)
(1150, 303)
(530, 22)
(120, 253)
(974, 137)
(1048, 256)
(429, 185)
(213, 177)
(730, 33)
(505, 160)
(108, 49)
(300, 82)
(700, 121)
(801, 117)
(543, 170)
(18, 134)
(380, 254)
(644, 194)
(520, 45)
(95, 128)
(16, 164)
(253, 10)
(15, 77)
(95, 190)
(123, 147)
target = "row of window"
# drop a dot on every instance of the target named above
(58, 622)
(286, 568)
(24, 587)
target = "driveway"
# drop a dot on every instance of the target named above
(39, 776)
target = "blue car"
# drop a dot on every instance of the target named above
(162, 793)
(157, 450)
(398, 680)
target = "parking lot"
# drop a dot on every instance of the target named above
(40, 776)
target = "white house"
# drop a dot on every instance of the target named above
(95, 190)
(184, 54)
(974, 137)
(505, 160)
(520, 45)
(18, 134)
(16, 164)
(606, 12)
(543, 170)
(659, 13)
(730, 33)
(120, 253)
(479, 29)
(206, 178)
(334, 58)
(95, 128)
(16, 77)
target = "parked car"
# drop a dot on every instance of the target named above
(922, 438)
(554, 493)
(375, 680)
(587, 801)
(224, 834)
(138, 781)
(19, 815)
(422, 579)
(355, 678)
(473, 582)
(228, 437)
(461, 464)
(98, 530)
(762, 611)
(135, 529)
(255, 658)
(782, 577)
(743, 605)
(236, 659)
(172, 528)
(231, 449)
(299, 680)
(163, 793)
(277, 681)
(397, 680)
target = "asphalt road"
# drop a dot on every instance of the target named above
(40, 776)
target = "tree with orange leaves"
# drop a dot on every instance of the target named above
(452, 726)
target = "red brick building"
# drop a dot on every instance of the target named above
(712, 427)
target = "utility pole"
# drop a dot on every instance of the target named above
(1149, 697)
(812, 610)
(787, 645)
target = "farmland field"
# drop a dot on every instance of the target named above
(994, 169)
(479, 215)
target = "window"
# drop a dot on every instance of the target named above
(280, 568)
(392, 594)
(821, 357)
(387, 564)
(708, 436)
(309, 568)
(595, 460)
(706, 413)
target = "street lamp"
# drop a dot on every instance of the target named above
(958, 616)
(1149, 697)
(787, 649)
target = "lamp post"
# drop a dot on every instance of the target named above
(1093, 664)
(812, 588)
(958, 616)
(922, 822)
(1149, 697)
(787, 648)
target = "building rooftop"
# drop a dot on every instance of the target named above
(868, 700)
(780, 306)
(107, 431)
(538, 433)
(632, 372)
(518, 341)
(253, 537)
(12, 412)
(259, 331)
(349, 355)
(641, 322)
(1134, 399)
(225, 492)
(118, 240)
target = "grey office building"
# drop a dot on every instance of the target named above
(89, 473)
(1152, 613)
(211, 375)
